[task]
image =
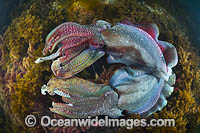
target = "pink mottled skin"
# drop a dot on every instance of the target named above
(72, 34)
(73, 38)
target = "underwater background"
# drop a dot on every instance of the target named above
(24, 25)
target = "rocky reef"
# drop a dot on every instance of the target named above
(23, 41)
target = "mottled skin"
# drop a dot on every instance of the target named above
(71, 34)
(168, 50)
(134, 47)
(141, 87)
(140, 93)
(102, 99)
(77, 64)
(72, 39)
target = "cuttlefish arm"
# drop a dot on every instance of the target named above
(72, 32)
(82, 98)
(50, 57)
(77, 64)
(66, 30)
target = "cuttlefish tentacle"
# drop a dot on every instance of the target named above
(59, 33)
(71, 42)
(50, 57)
(61, 105)
(93, 99)
(53, 91)
(65, 50)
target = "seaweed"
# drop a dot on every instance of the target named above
(24, 40)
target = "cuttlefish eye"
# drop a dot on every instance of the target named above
(61, 65)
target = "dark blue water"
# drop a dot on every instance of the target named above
(191, 10)
(6, 9)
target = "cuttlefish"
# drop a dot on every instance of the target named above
(141, 86)
(138, 46)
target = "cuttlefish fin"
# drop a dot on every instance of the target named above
(153, 100)
(162, 102)
(150, 28)
(169, 52)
